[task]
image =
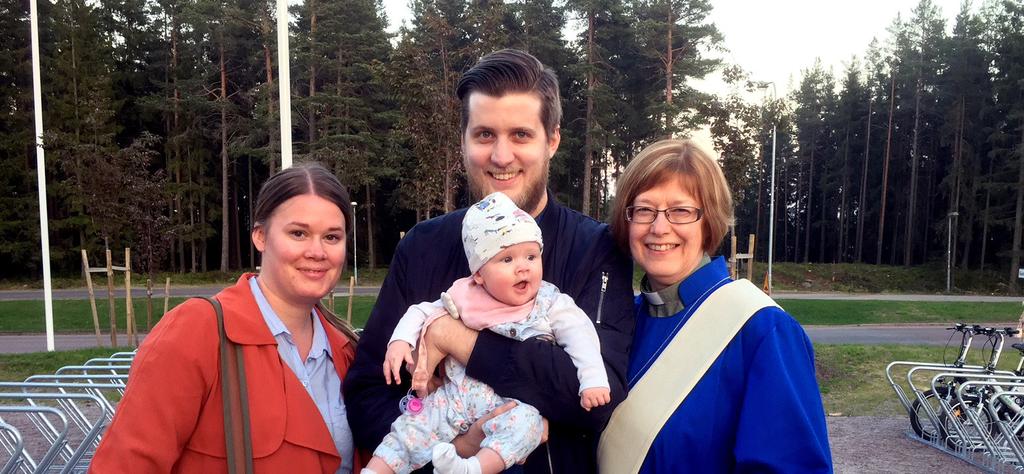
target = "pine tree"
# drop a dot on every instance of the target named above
(19, 212)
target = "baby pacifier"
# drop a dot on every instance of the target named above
(410, 403)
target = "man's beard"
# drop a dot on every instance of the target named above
(528, 199)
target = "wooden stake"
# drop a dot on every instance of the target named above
(92, 298)
(750, 260)
(110, 301)
(149, 304)
(733, 271)
(351, 296)
(167, 296)
(133, 339)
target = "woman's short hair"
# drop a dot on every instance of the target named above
(510, 71)
(303, 178)
(696, 172)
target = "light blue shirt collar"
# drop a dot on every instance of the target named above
(277, 327)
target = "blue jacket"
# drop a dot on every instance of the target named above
(581, 259)
(757, 408)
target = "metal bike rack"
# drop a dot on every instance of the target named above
(54, 422)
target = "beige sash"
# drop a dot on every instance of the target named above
(639, 418)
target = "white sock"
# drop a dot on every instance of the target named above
(447, 461)
(367, 471)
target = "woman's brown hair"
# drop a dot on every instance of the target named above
(696, 172)
(304, 178)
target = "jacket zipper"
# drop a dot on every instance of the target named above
(600, 301)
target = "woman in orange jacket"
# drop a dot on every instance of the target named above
(171, 417)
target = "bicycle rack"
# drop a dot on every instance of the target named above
(54, 422)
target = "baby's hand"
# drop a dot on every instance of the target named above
(595, 397)
(399, 352)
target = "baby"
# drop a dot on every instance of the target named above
(505, 294)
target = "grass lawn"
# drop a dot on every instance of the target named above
(852, 376)
(864, 278)
(17, 367)
(76, 316)
(838, 312)
(367, 277)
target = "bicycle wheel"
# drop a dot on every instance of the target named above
(974, 432)
(919, 420)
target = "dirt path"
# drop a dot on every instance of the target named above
(874, 444)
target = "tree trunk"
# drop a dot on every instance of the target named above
(203, 244)
(797, 256)
(959, 179)
(224, 237)
(669, 62)
(784, 211)
(451, 160)
(841, 251)
(885, 172)
(822, 223)
(252, 248)
(312, 74)
(236, 231)
(810, 201)
(908, 247)
(757, 220)
(192, 222)
(180, 219)
(1017, 216)
(985, 215)
(273, 127)
(923, 230)
(861, 210)
(588, 141)
(370, 251)
(177, 146)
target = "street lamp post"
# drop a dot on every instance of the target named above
(355, 244)
(771, 213)
(949, 250)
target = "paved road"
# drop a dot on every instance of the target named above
(935, 335)
(23, 343)
(897, 297)
(182, 291)
(209, 290)
(932, 335)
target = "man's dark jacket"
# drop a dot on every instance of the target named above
(581, 259)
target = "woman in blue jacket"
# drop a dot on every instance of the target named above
(757, 407)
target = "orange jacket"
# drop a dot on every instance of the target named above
(171, 417)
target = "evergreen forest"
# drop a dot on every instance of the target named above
(162, 120)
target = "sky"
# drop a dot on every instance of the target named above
(774, 40)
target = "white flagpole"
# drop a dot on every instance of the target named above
(284, 84)
(44, 231)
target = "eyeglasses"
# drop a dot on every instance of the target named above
(675, 215)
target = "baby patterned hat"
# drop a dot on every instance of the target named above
(493, 224)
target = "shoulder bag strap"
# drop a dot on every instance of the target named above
(340, 324)
(636, 422)
(237, 433)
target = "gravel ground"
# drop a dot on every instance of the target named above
(860, 444)
(875, 444)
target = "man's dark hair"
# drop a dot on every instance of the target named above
(510, 71)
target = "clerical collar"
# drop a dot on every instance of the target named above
(666, 301)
